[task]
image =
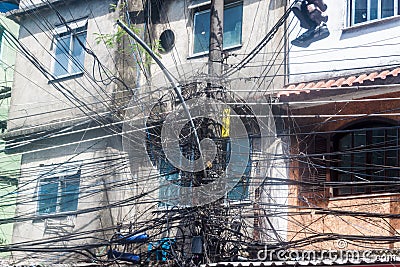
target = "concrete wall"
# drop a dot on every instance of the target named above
(37, 100)
(258, 19)
(104, 181)
(348, 49)
(9, 164)
(37, 103)
(7, 62)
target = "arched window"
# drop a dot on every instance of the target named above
(367, 159)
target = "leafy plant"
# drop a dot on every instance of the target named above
(114, 40)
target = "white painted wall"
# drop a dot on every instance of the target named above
(258, 18)
(34, 100)
(348, 50)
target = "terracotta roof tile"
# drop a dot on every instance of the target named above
(383, 74)
(291, 87)
(372, 76)
(329, 83)
(319, 84)
(339, 82)
(309, 85)
(349, 81)
(300, 86)
(361, 78)
(395, 72)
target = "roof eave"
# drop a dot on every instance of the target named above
(18, 14)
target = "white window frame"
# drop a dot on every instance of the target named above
(198, 3)
(58, 174)
(379, 11)
(204, 5)
(71, 29)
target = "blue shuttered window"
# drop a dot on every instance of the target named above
(59, 193)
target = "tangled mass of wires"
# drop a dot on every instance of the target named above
(146, 225)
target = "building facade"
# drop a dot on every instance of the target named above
(63, 120)
(9, 164)
(182, 29)
(341, 111)
(74, 77)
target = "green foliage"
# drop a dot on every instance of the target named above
(114, 40)
(111, 39)
(113, 7)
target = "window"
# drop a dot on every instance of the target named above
(59, 193)
(366, 10)
(69, 49)
(169, 174)
(241, 190)
(232, 28)
(368, 157)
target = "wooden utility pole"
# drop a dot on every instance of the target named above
(215, 58)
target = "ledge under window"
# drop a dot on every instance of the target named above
(59, 216)
(66, 77)
(362, 196)
(202, 54)
(370, 23)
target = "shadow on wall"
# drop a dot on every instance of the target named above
(274, 4)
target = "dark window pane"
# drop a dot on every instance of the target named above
(233, 26)
(201, 32)
(70, 193)
(344, 189)
(387, 8)
(359, 156)
(378, 137)
(167, 192)
(345, 143)
(360, 11)
(241, 190)
(359, 140)
(48, 196)
(62, 56)
(369, 155)
(78, 53)
(373, 10)
(360, 190)
(345, 161)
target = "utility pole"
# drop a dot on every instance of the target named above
(215, 57)
(215, 69)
